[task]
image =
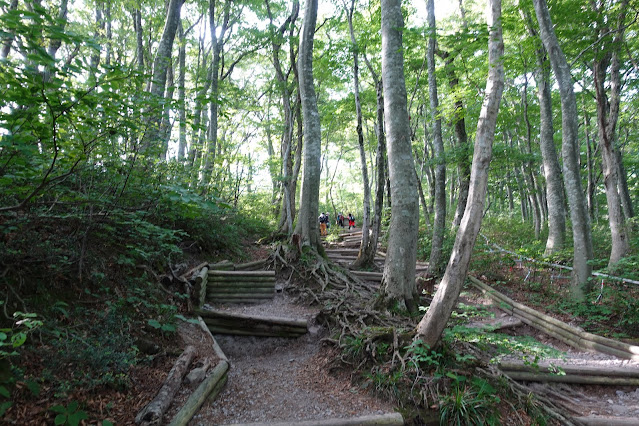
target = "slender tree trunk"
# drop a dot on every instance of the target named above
(398, 283)
(552, 171)
(591, 185)
(6, 45)
(360, 139)
(182, 94)
(217, 42)
(380, 160)
(582, 237)
(432, 325)
(626, 201)
(139, 37)
(309, 206)
(439, 224)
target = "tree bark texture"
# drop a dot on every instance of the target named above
(552, 171)
(582, 237)
(439, 224)
(399, 270)
(433, 323)
(607, 116)
(309, 201)
(360, 135)
(161, 65)
(366, 255)
(182, 94)
(153, 412)
(218, 44)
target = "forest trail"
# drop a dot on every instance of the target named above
(278, 379)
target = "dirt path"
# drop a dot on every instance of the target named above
(278, 379)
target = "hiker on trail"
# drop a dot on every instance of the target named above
(340, 219)
(323, 218)
(351, 221)
(328, 221)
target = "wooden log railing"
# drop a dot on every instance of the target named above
(568, 334)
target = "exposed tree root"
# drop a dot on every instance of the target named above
(370, 340)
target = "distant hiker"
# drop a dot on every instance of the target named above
(340, 219)
(323, 218)
(328, 221)
(351, 221)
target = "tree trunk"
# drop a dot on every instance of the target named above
(607, 116)
(217, 41)
(360, 137)
(398, 284)
(309, 204)
(439, 223)
(624, 192)
(433, 323)
(366, 255)
(552, 171)
(182, 95)
(161, 65)
(6, 45)
(582, 237)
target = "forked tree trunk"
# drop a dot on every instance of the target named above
(309, 201)
(432, 325)
(161, 64)
(398, 284)
(607, 116)
(582, 237)
(439, 224)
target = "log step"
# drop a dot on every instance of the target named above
(218, 273)
(221, 322)
(373, 419)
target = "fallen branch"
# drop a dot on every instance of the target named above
(153, 412)
(209, 388)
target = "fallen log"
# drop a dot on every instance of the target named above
(389, 419)
(216, 273)
(238, 300)
(216, 348)
(572, 378)
(209, 388)
(588, 370)
(240, 290)
(371, 276)
(275, 330)
(258, 333)
(210, 313)
(250, 265)
(606, 421)
(153, 412)
(236, 284)
(239, 279)
(229, 296)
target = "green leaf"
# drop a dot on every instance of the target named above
(58, 409)
(60, 419)
(72, 406)
(77, 417)
(4, 407)
(18, 339)
(4, 392)
(170, 328)
(34, 387)
(154, 323)
(106, 423)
